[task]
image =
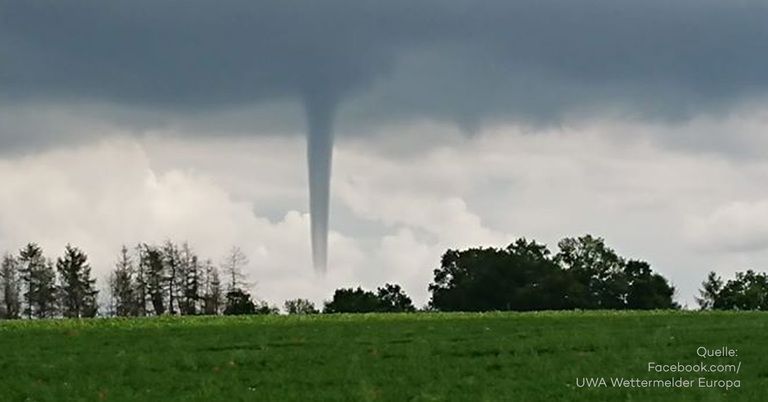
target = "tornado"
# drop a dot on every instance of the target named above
(320, 114)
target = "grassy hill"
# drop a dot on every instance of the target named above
(416, 357)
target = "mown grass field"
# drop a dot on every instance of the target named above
(416, 357)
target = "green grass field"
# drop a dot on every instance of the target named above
(416, 357)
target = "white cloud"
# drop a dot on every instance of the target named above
(737, 226)
(101, 196)
(685, 212)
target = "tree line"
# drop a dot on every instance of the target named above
(171, 279)
(746, 291)
(34, 286)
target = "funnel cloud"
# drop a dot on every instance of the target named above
(320, 111)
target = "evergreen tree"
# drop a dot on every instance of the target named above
(10, 288)
(39, 282)
(122, 286)
(76, 289)
(47, 300)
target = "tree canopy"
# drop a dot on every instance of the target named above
(390, 298)
(746, 291)
(585, 274)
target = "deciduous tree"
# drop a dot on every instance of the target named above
(299, 306)
(232, 267)
(239, 303)
(352, 301)
(392, 299)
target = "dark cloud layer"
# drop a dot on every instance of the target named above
(465, 61)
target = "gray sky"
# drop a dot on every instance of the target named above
(459, 123)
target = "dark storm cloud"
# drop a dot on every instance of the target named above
(183, 54)
(461, 60)
(215, 66)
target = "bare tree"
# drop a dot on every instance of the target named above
(212, 294)
(171, 259)
(189, 280)
(233, 266)
(11, 287)
(140, 282)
